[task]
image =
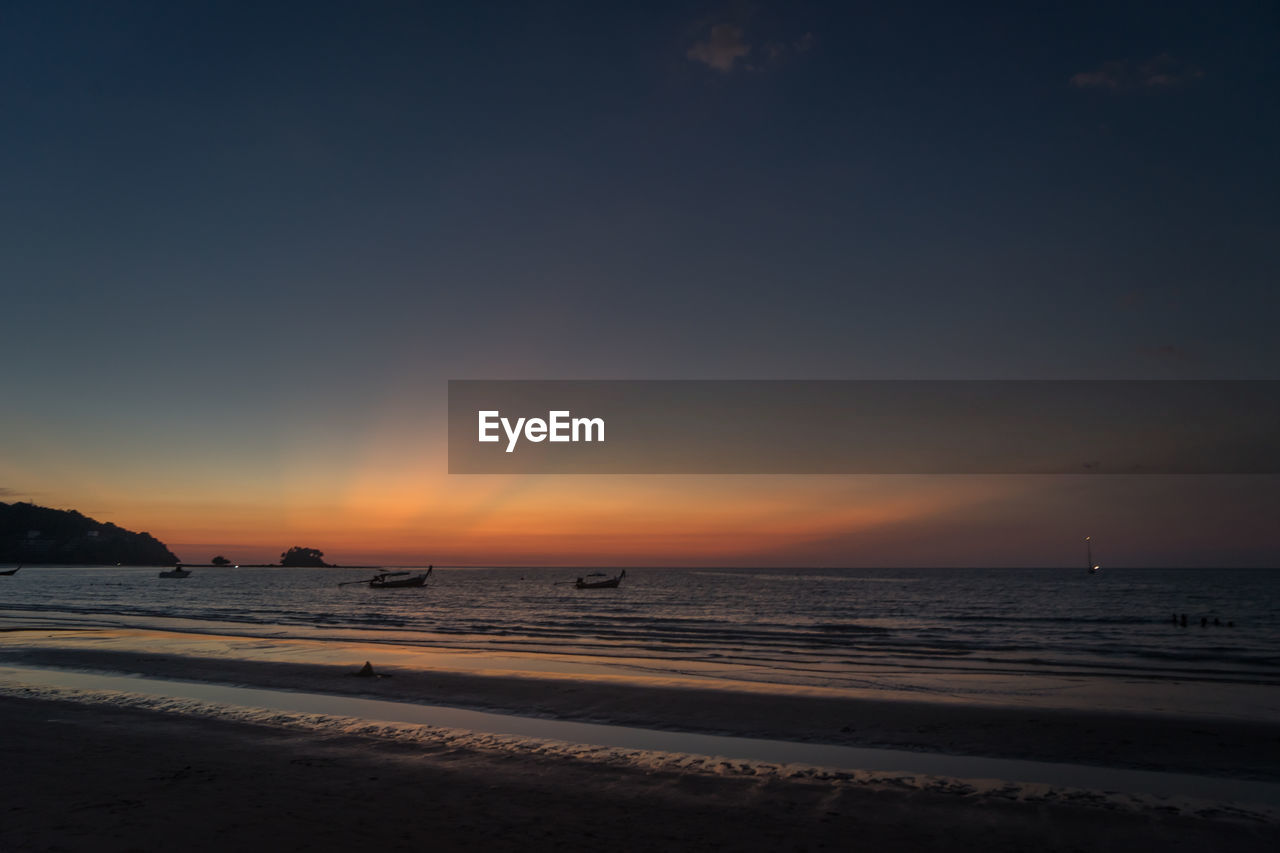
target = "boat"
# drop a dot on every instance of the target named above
(1088, 562)
(176, 572)
(611, 583)
(384, 580)
(11, 572)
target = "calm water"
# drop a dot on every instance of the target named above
(817, 627)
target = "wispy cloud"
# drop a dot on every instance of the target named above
(777, 51)
(722, 49)
(726, 49)
(1159, 72)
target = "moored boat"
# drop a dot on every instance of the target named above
(176, 572)
(385, 580)
(611, 583)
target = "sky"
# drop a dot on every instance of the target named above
(244, 246)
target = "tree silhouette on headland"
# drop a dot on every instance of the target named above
(39, 535)
(220, 561)
(299, 556)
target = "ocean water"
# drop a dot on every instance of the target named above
(842, 628)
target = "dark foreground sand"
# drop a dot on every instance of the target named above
(108, 778)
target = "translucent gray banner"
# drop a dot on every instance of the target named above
(863, 427)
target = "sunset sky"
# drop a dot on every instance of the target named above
(244, 246)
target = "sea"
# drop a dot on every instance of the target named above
(983, 631)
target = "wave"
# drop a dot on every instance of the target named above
(817, 624)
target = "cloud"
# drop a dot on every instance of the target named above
(722, 49)
(727, 50)
(775, 51)
(1159, 72)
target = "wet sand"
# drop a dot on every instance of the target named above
(88, 770)
(1238, 748)
(94, 777)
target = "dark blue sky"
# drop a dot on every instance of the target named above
(924, 190)
(333, 208)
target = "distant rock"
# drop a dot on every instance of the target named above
(37, 535)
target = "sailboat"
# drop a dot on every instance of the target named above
(1089, 564)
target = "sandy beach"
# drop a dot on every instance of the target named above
(1244, 748)
(116, 769)
(94, 777)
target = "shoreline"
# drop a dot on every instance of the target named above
(165, 744)
(517, 734)
(1232, 748)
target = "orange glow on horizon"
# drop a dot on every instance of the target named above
(385, 499)
(404, 517)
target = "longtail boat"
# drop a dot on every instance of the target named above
(385, 580)
(611, 583)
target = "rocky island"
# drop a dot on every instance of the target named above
(300, 556)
